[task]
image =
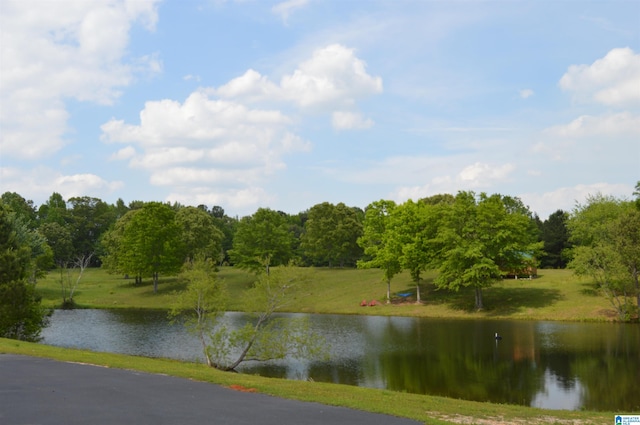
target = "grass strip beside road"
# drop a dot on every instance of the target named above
(430, 410)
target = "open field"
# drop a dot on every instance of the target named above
(428, 409)
(554, 295)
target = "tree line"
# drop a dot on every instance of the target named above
(471, 239)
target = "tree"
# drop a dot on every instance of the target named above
(146, 242)
(205, 299)
(261, 241)
(411, 226)
(21, 316)
(380, 250)
(54, 210)
(88, 219)
(200, 235)
(330, 235)
(555, 237)
(478, 238)
(606, 235)
(264, 337)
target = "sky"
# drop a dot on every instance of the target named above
(288, 104)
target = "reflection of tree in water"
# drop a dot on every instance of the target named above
(468, 365)
(612, 379)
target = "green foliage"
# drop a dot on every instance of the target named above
(262, 240)
(380, 249)
(330, 235)
(21, 316)
(265, 337)
(146, 242)
(606, 232)
(200, 235)
(479, 238)
(555, 236)
(202, 302)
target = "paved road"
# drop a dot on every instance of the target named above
(40, 391)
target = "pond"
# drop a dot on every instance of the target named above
(553, 365)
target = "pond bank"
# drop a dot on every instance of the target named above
(427, 409)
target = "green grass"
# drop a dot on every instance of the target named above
(554, 295)
(430, 410)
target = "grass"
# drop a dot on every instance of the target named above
(554, 295)
(430, 410)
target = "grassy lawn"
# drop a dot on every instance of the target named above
(554, 295)
(427, 409)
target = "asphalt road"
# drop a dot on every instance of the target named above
(40, 391)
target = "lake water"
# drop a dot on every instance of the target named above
(554, 365)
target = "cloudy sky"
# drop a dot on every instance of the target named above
(286, 104)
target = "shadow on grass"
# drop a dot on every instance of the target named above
(166, 285)
(497, 300)
(590, 289)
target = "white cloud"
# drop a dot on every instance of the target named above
(40, 182)
(480, 174)
(526, 93)
(565, 198)
(613, 80)
(286, 8)
(333, 78)
(612, 138)
(344, 120)
(204, 147)
(622, 124)
(53, 51)
(251, 86)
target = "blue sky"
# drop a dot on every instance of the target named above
(286, 104)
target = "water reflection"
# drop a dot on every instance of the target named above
(543, 364)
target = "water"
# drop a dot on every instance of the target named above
(554, 365)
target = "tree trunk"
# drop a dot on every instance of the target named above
(388, 291)
(479, 304)
(155, 282)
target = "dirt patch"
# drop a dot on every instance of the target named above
(242, 389)
(542, 420)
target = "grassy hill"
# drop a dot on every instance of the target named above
(553, 295)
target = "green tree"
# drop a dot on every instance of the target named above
(146, 242)
(330, 235)
(412, 225)
(21, 316)
(54, 210)
(262, 240)
(263, 337)
(88, 219)
(203, 301)
(479, 238)
(606, 235)
(380, 249)
(555, 237)
(200, 235)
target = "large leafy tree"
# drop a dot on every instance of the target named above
(21, 316)
(479, 237)
(330, 235)
(555, 236)
(146, 242)
(88, 219)
(262, 240)
(606, 234)
(200, 235)
(381, 250)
